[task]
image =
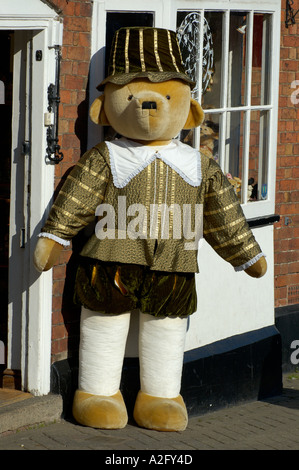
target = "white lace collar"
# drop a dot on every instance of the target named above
(129, 158)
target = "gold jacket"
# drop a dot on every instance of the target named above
(158, 239)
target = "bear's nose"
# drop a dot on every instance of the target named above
(149, 105)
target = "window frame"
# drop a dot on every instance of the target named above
(165, 15)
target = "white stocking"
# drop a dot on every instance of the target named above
(101, 354)
(161, 353)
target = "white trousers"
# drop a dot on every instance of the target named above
(102, 347)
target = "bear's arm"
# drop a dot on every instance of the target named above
(75, 205)
(225, 227)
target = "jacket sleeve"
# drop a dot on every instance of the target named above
(224, 225)
(75, 205)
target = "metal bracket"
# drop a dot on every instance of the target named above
(290, 15)
(53, 107)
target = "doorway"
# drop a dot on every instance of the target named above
(6, 82)
(30, 32)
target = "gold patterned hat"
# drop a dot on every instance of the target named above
(149, 52)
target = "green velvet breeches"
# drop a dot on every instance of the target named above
(117, 288)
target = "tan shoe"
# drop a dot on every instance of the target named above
(161, 414)
(99, 411)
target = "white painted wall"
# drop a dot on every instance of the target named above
(229, 303)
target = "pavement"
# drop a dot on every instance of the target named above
(272, 424)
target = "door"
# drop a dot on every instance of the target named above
(20, 196)
(6, 45)
(25, 344)
(26, 184)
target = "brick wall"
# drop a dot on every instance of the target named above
(286, 233)
(73, 120)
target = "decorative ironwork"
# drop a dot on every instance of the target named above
(188, 34)
(290, 14)
(53, 149)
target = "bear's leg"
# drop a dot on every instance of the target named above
(159, 404)
(98, 401)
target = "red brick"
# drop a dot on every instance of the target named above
(84, 39)
(288, 113)
(290, 41)
(59, 331)
(56, 307)
(69, 9)
(59, 272)
(286, 137)
(63, 126)
(58, 287)
(70, 111)
(74, 82)
(66, 67)
(284, 257)
(86, 9)
(65, 96)
(287, 185)
(70, 141)
(75, 52)
(77, 24)
(59, 346)
(289, 65)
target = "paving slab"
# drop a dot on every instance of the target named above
(272, 424)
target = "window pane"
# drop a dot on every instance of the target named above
(116, 20)
(260, 60)
(257, 158)
(188, 32)
(234, 148)
(236, 59)
(209, 136)
(212, 60)
(199, 59)
(258, 155)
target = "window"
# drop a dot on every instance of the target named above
(232, 53)
(228, 54)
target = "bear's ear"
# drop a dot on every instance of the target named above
(97, 113)
(195, 116)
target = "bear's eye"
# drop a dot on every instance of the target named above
(167, 97)
(130, 97)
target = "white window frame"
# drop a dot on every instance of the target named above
(165, 15)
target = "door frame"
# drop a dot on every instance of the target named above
(30, 299)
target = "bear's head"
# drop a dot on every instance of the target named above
(147, 95)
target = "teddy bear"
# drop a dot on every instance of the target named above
(151, 198)
(209, 136)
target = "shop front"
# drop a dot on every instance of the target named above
(231, 50)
